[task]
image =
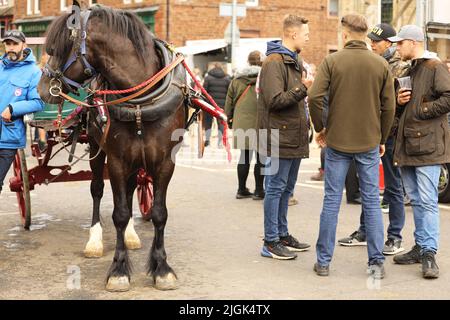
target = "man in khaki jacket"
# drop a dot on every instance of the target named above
(422, 143)
(282, 116)
(360, 116)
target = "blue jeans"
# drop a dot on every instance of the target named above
(336, 167)
(421, 185)
(6, 159)
(279, 186)
(393, 195)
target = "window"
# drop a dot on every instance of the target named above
(2, 28)
(386, 11)
(333, 8)
(33, 7)
(251, 3)
(63, 5)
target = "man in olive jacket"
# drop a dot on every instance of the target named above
(422, 143)
(360, 116)
(283, 133)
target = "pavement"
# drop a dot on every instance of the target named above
(213, 243)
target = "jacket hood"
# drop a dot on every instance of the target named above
(217, 73)
(29, 59)
(277, 47)
(248, 72)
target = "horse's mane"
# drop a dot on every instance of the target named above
(124, 23)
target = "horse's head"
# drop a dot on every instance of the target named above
(69, 64)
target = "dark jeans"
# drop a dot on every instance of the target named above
(207, 125)
(6, 159)
(393, 195)
(322, 158)
(243, 169)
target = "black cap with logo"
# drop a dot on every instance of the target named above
(382, 31)
(14, 35)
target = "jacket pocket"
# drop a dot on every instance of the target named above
(289, 137)
(419, 141)
(20, 87)
(11, 133)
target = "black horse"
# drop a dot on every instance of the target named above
(116, 49)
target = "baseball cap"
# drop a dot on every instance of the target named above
(14, 35)
(409, 32)
(382, 31)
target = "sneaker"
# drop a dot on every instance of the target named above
(392, 247)
(410, 257)
(384, 207)
(376, 271)
(430, 269)
(322, 271)
(206, 143)
(292, 244)
(276, 250)
(406, 200)
(319, 176)
(258, 195)
(243, 194)
(356, 200)
(355, 239)
(292, 201)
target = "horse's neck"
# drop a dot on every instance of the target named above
(129, 71)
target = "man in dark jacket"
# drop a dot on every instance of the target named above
(216, 84)
(360, 115)
(422, 143)
(283, 133)
(393, 193)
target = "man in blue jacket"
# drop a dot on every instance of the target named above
(19, 77)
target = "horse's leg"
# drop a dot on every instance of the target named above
(118, 278)
(163, 276)
(132, 240)
(94, 247)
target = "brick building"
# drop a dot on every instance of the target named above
(6, 15)
(183, 20)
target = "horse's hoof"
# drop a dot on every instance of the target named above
(167, 282)
(133, 243)
(118, 284)
(93, 250)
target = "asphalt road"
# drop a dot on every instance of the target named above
(213, 243)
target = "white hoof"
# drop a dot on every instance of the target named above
(132, 240)
(94, 247)
(118, 284)
(169, 282)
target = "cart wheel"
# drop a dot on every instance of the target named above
(145, 194)
(23, 196)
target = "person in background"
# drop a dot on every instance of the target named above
(240, 108)
(216, 84)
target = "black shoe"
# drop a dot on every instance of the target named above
(321, 271)
(392, 247)
(410, 257)
(354, 201)
(243, 194)
(292, 244)
(258, 195)
(276, 250)
(355, 239)
(206, 143)
(376, 271)
(430, 269)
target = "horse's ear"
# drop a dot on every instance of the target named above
(75, 3)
